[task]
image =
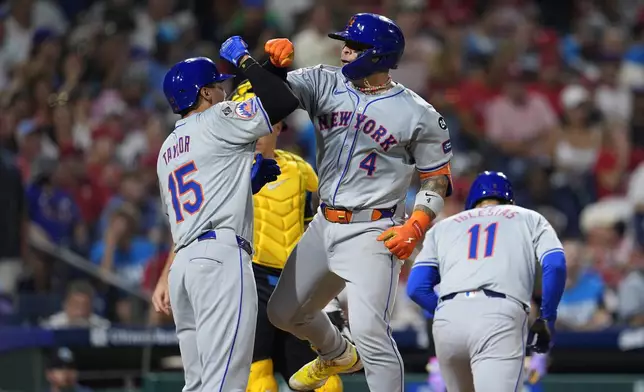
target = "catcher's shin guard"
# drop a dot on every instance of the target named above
(261, 377)
(333, 384)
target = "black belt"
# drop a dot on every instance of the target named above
(241, 242)
(488, 293)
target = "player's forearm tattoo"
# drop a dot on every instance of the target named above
(438, 184)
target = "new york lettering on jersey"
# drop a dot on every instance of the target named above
(373, 142)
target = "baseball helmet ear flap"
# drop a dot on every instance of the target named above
(382, 38)
(490, 185)
(182, 83)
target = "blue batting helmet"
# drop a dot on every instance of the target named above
(184, 80)
(489, 185)
(382, 38)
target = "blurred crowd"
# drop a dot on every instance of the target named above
(549, 92)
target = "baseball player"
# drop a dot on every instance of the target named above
(282, 211)
(203, 171)
(485, 260)
(372, 134)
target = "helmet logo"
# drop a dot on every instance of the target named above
(351, 22)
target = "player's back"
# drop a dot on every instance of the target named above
(204, 171)
(492, 248)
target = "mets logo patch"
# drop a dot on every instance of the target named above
(247, 109)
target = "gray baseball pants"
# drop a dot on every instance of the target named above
(328, 258)
(214, 304)
(480, 343)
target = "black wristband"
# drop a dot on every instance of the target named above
(249, 62)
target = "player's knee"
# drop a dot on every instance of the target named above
(262, 378)
(333, 384)
(278, 315)
(368, 335)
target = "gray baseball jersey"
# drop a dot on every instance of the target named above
(480, 341)
(368, 145)
(204, 167)
(494, 247)
(204, 174)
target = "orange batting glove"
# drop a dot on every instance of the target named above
(401, 240)
(281, 51)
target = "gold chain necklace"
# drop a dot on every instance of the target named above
(368, 89)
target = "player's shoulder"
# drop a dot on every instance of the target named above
(421, 107)
(522, 211)
(414, 100)
(233, 110)
(318, 68)
(318, 71)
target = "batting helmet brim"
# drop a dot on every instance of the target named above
(340, 35)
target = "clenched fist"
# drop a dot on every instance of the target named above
(281, 52)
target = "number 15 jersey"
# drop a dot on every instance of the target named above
(204, 170)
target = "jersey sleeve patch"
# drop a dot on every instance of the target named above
(447, 146)
(442, 124)
(247, 110)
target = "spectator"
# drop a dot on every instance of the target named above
(582, 305)
(158, 15)
(121, 250)
(77, 309)
(413, 69)
(61, 373)
(520, 125)
(612, 164)
(133, 192)
(604, 226)
(575, 153)
(636, 128)
(255, 24)
(53, 209)
(314, 46)
(631, 292)
(612, 99)
(32, 143)
(25, 17)
(13, 225)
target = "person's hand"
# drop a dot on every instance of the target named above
(542, 332)
(233, 49)
(402, 240)
(264, 170)
(161, 296)
(281, 52)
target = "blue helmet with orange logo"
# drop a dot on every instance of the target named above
(489, 185)
(184, 80)
(382, 39)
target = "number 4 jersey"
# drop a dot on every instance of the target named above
(493, 247)
(204, 170)
(369, 145)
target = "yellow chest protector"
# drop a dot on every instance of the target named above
(280, 209)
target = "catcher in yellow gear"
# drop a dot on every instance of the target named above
(282, 211)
